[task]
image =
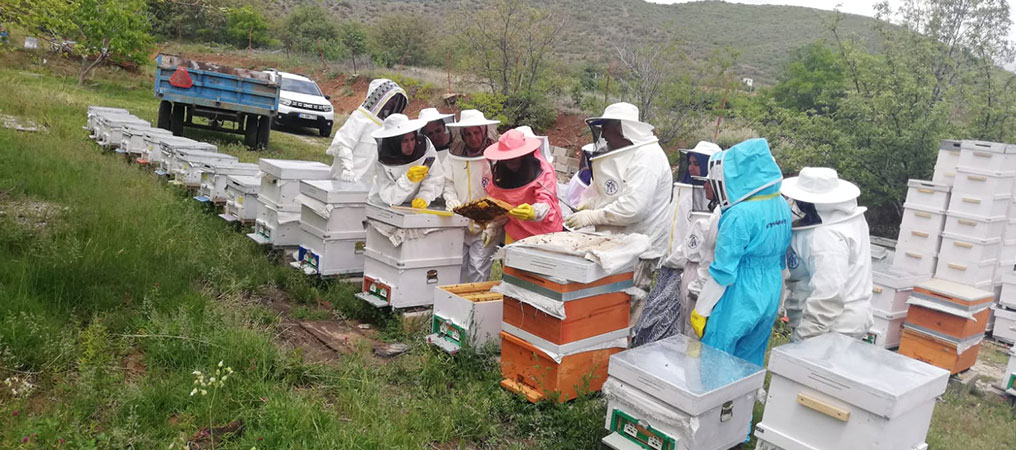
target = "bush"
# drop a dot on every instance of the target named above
(489, 103)
(524, 108)
(245, 26)
(400, 39)
(310, 29)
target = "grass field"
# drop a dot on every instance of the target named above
(116, 287)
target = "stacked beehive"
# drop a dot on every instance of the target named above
(332, 214)
(1005, 310)
(565, 163)
(563, 317)
(945, 324)
(278, 221)
(241, 199)
(215, 175)
(409, 252)
(891, 288)
(921, 230)
(187, 165)
(171, 151)
(1009, 377)
(133, 143)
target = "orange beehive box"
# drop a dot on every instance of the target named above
(952, 292)
(938, 351)
(950, 322)
(532, 372)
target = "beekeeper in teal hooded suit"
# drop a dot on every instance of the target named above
(738, 304)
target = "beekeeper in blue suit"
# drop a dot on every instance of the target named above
(738, 304)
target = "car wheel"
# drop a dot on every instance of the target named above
(325, 131)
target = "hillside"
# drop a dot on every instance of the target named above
(764, 36)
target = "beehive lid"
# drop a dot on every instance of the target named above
(234, 167)
(976, 218)
(202, 155)
(146, 131)
(992, 172)
(189, 144)
(571, 256)
(291, 169)
(686, 374)
(923, 208)
(160, 138)
(885, 274)
(983, 146)
(247, 184)
(406, 218)
(924, 184)
(870, 377)
(950, 145)
(97, 109)
(950, 289)
(334, 191)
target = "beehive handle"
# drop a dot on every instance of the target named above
(958, 267)
(817, 405)
(919, 233)
(923, 215)
(967, 222)
(925, 190)
(963, 244)
(915, 255)
(975, 201)
(876, 289)
(977, 178)
(982, 154)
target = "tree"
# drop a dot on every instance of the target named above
(400, 39)
(107, 29)
(813, 80)
(247, 27)
(309, 29)
(354, 37)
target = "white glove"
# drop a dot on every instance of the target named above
(489, 235)
(584, 218)
(451, 204)
(710, 294)
(348, 176)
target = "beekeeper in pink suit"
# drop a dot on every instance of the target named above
(524, 179)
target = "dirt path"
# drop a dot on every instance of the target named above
(320, 341)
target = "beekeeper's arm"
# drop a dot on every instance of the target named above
(392, 189)
(630, 206)
(348, 136)
(451, 196)
(827, 263)
(434, 184)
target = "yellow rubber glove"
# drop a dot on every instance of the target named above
(416, 174)
(419, 202)
(698, 323)
(524, 211)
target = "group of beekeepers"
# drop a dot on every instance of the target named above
(731, 241)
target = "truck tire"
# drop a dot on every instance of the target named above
(325, 131)
(176, 124)
(264, 129)
(165, 114)
(250, 132)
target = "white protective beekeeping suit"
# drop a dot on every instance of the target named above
(393, 183)
(829, 260)
(353, 148)
(465, 179)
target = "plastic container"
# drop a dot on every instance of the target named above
(983, 204)
(945, 165)
(927, 194)
(836, 393)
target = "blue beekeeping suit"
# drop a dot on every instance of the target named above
(751, 244)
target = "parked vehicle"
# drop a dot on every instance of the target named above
(232, 100)
(302, 104)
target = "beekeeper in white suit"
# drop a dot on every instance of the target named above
(406, 166)
(467, 174)
(630, 189)
(353, 147)
(829, 289)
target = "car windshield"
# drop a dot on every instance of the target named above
(303, 87)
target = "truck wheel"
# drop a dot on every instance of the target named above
(165, 114)
(176, 124)
(250, 135)
(264, 129)
(325, 131)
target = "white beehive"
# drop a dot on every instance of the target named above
(332, 215)
(915, 261)
(428, 254)
(188, 165)
(982, 204)
(921, 241)
(95, 111)
(957, 248)
(678, 393)
(983, 155)
(979, 274)
(891, 287)
(152, 154)
(1009, 378)
(215, 176)
(98, 122)
(930, 220)
(276, 228)
(1010, 228)
(111, 129)
(927, 194)
(1005, 325)
(836, 393)
(241, 198)
(173, 149)
(945, 165)
(976, 227)
(886, 329)
(466, 315)
(280, 182)
(975, 181)
(134, 142)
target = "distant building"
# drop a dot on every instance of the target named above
(748, 82)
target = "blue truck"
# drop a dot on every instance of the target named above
(228, 99)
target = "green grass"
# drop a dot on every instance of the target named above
(116, 287)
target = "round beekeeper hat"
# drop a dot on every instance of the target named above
(431, 114)
(703, 148)
(473, 118)
(819, 185)
(397, 125)
(623, 111)
(512, 144)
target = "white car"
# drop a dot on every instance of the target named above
(302, 104)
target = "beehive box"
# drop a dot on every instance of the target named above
(215, 177)
(983, 204)
(945, 165)
(939, 350)
(95, 111)
(948, 319)
(152, 153)
(127, 133)
(886, 329)
(1009, 377)
(332, 215)
(678, 393)
(974, 227)
(276, 228)
(538, 373)
(327, 257)
(428, 254)
(280, 181)
(109, 128)
(1005, 325)
(987, 155)
(836, 393)
(891, 287)
(466, 315)
(927, 194)
(134, 139)
(241, 199)
(189, 165)
(173, 149)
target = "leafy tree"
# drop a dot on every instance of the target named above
(192, 20)
(400, 38)
(310, 29)
(247, 27)
(354, 37)
(104, 30)
(813, 80)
